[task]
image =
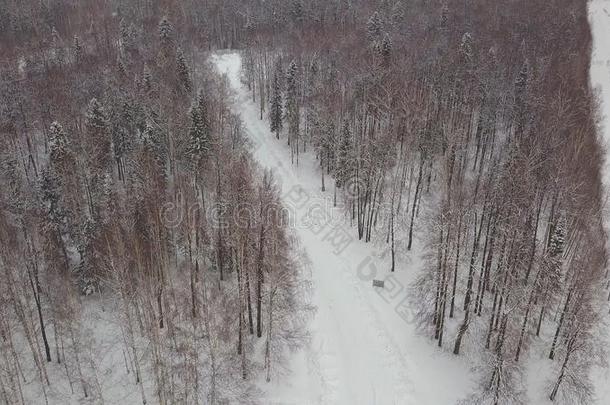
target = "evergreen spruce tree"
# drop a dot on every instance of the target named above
(385, 50)
(127, 125)
(98, 138)
(58, 144)
(96, 118)
(50, 197)
(203, 113)
(292, 105)
(147, 78)
(553, 275)
(183, 70)
(276, 110)
(166, 31)
(77, 50)
(199, 143)
(166, 53)
(151, 140)
(373, 28)
(124, 33)
(557, 240)
(85, 246)
(63, 170)
(466, 50)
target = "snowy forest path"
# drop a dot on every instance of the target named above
(353, 357)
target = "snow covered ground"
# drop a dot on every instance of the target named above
(364, 348)
(102, 346)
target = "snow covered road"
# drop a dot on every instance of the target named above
(599, 19)
(364, 348)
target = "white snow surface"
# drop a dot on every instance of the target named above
(362, 350)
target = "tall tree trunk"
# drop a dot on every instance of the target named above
(561, 319)
(417, 189)
(466, 322)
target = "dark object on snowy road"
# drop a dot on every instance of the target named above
(378, 283)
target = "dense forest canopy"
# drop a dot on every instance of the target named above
(463, 130)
